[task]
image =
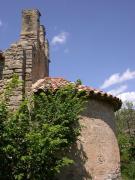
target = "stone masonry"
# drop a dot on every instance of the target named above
(96, 153)
(28, 57)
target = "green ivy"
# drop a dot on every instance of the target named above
(35, 137)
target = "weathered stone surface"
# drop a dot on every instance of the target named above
(6, 72)
(96, 154)
(27, 56)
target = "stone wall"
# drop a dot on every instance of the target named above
(96, 154)
(1, 68)
(14, 63)
(28, 57)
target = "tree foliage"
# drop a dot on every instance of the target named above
(125, 121)
(35, 137)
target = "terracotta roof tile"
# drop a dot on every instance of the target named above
(56, 83)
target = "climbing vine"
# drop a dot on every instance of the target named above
(35, 137)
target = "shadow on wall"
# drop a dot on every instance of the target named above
(77, 171)
(97, 109)
(2, 64)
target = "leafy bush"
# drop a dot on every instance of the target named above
(35, 137)
(125, 123)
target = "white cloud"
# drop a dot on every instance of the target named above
(117, 78)
(60, 38)
(1, 23)
(118, 90)
(128, 96)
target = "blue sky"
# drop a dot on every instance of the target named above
(91, 40)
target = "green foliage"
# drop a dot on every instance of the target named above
(34, 138)
(13, 83)
(125, 121)
(78, 82)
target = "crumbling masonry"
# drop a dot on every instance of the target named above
(28, 57)
(96, 154)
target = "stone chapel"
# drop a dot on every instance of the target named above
(96, 154)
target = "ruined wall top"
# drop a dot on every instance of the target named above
(30, 20)
(31, 24)
(29, 56)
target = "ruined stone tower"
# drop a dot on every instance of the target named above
(28, 57)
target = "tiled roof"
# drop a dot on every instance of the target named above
(56, 83)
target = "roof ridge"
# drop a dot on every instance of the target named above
(57, 82)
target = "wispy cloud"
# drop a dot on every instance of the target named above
(128, 96)
(118, 90)
(118, 78)
(1, 24)
(61, 38)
